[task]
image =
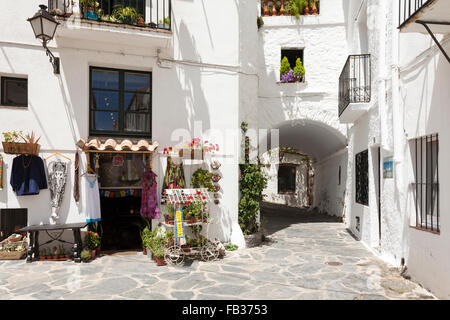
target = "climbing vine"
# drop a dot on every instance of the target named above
(251, 184)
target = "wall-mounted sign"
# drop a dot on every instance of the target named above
(179, 227)
(388, 168)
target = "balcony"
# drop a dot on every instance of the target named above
(130, 23)
(435, 13)
(288, 8)
(354, 88)
(153, 14)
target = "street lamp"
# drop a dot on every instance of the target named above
(44, 26)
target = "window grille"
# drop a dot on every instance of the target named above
(426, 185)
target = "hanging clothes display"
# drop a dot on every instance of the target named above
(28, 175)
(1, 172)
(174, 177)
(93, 213)
(149, 202)
(57, 177)
(76, 178)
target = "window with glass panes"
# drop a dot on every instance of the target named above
(14, 92)
(286, 178)
(120, 102)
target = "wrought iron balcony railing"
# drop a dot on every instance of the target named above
(289, 7)
(408, 8)
(355, 81)
(142, 13)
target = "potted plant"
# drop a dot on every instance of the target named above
(11, 145)
(85, 255)
(90, 9)
(186, 247)
(127, 15)
(299, 70)
(216, 177)
(140, 20)
(170, 214)
(201, 178)
(165, 25)
(158, 251)
(92, 242)
(170, 238)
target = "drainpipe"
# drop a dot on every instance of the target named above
(398, 131)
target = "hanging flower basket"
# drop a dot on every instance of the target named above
(21, 148)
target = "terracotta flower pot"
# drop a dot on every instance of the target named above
(144, 251)
(93, 254)
(160, 261)
(97, 251)
(186, 248)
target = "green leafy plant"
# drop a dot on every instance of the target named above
(260, 22)
(170, 211)
(297, 7)
(231, 247)
(85, 255)
(166, 21)
(12, 136)
(194, 209)
(201, 178)
(91, 240)
(158, 251)
(251, 184)
(299, 70)
(285, 66)
(127, 15)
(89, 4)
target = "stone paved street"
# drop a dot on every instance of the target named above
(308, 258)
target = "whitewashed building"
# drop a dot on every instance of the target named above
(370, 111)
(193, 54)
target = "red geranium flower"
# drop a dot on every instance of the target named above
(188, 202)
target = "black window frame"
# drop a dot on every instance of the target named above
(290, 166)
(293, 60)
(3, 89)
(426, 185)
(362, 177)
(121, 111)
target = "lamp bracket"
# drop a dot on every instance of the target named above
(53, 60)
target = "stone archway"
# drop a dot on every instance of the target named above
(325, 145)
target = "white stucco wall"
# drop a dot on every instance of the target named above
(424, 96)
(329, 193)
(271, 162)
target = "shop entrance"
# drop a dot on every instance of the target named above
(120, 184)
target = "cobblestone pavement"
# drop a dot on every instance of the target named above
(308, 260)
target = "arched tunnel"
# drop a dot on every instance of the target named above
(306, 170)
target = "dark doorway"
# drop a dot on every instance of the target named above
(121, 223)
(120, 179)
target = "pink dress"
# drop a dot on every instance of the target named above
(149, 204)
